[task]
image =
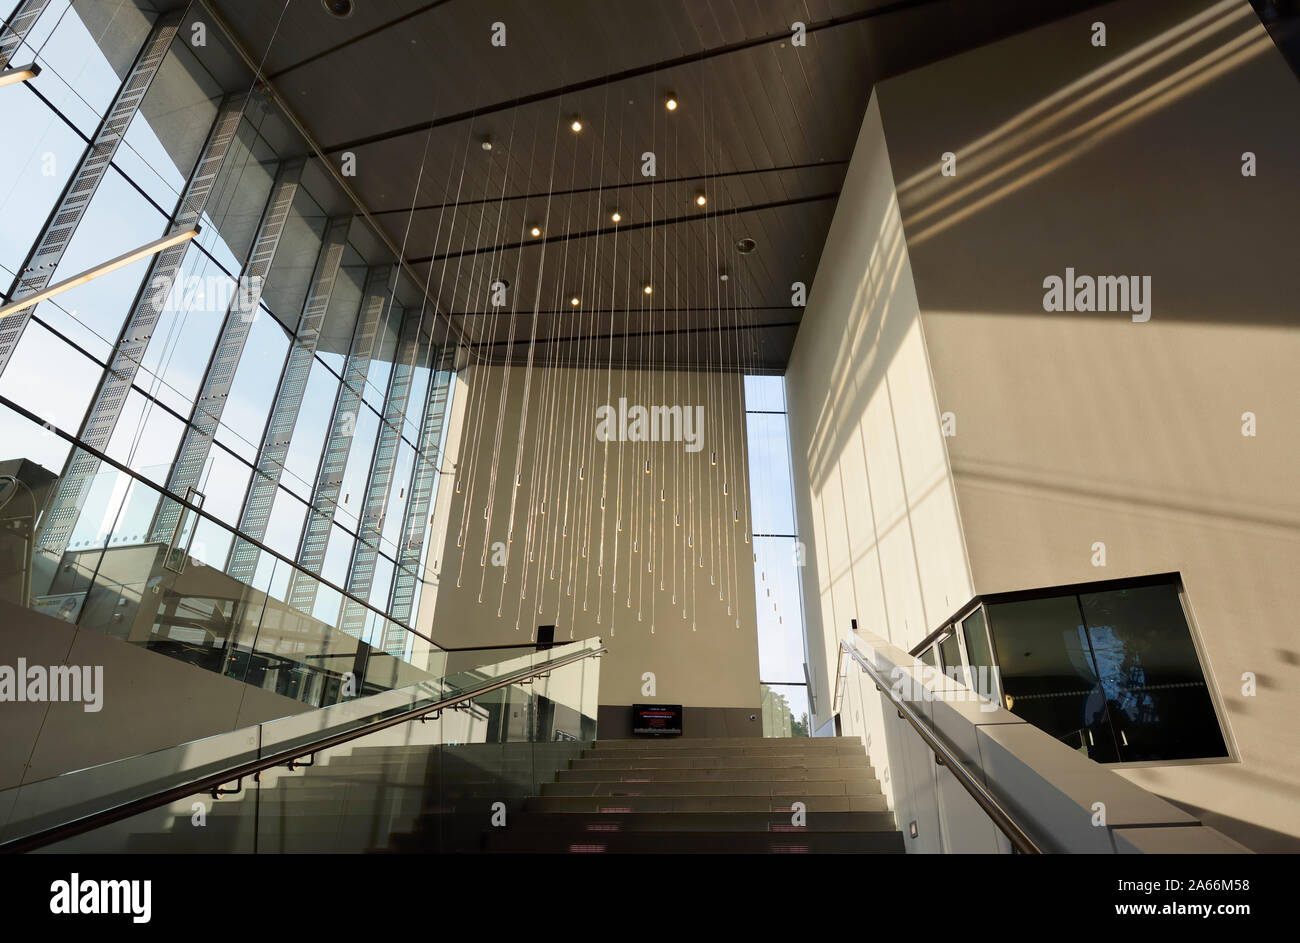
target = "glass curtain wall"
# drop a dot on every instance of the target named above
(106, 382)
(778, 556)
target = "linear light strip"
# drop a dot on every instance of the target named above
(18, 74)
(153, 248)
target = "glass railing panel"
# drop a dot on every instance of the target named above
(503, 743)
(35, 806)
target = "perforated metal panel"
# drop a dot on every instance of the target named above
(127, 356)
(423, 484)
(188, 467)
(325, 495)
(19, 25)
(361, 575)
(288, 400)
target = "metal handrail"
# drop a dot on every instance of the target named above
(211, 781)
(1018, 837)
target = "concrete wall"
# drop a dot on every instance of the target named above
(703, 661)
(873, 491)
(149, 701)
(1078, 428)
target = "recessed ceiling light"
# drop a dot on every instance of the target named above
(534, 231)
(723, 276)
(647, 288)
(575, 301)
(671, 102)
(700, 198)
(340, 8)
(616, 216)
(746, 245)
(486, 143)
(575, 125)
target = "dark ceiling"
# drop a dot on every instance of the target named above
(764, 128)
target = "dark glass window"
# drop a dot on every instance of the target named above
(1113, 673)
(1159, 703)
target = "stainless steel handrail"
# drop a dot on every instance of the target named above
(1018, 837)
(204, 783)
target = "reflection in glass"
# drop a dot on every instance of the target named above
(1048, 674)
(1155, 688)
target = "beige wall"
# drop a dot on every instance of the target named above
(149, 701)
(1074, 428)
(713, 665)
(873, 490)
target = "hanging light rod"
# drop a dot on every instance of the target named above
(153, 248)
(19, 74)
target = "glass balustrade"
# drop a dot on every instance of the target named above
(439, 784)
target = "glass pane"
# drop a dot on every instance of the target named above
(1048, 674)
(341, 317)
(771, 503)
(765, 393)
(381, 364)
(52, 379)
(181, 345)
(117, 220)
(779, 610)
(243, 420)
(163, 141)
(977, 640)
(352, 491)
(33, 172)
(295, 258)
(785, 710)
(1155, 688)
(950, 652)
(90, 49)
(980, 656)
(310, 431)
(238, 198)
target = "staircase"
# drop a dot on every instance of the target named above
(640, 796)
(704, 795)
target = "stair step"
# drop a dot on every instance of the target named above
(791, 774)
(794, 790)
(696, 842)
(719, 753)
(830, 761)
(579, 823)
(735, 746)
(612, 804)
